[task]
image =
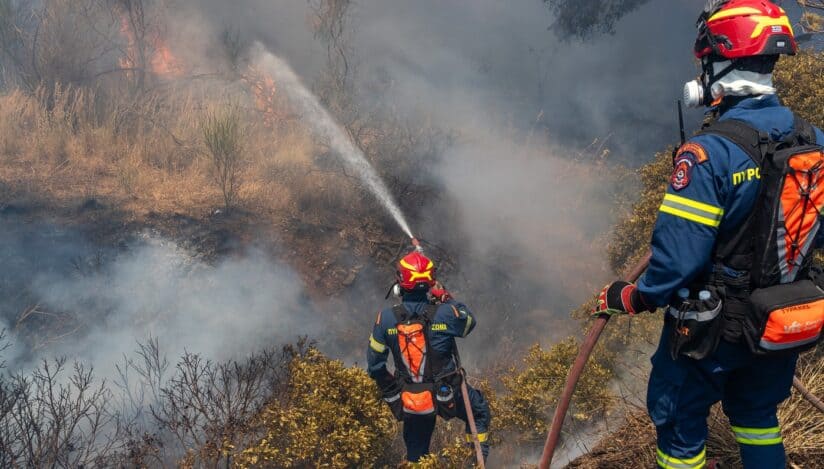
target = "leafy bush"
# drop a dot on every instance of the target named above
(800, 83)
(532, 393)
(331, 418)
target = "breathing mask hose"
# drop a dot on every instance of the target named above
(581, 360)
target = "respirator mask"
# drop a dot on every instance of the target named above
(395, 290)
(701, 92)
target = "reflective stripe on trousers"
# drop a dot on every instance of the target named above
(671, 462)
(758, 436)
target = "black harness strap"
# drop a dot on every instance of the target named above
(757, 145)
(752, 141)
(804, 131)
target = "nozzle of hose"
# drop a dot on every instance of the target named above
(417, 245)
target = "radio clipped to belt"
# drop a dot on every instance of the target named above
(696, 322)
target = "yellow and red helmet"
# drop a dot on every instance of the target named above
(735, 29)
(416, 272)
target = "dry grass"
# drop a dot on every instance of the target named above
(143, 159)
(633, 443)
(149, 155)
(802, 424)
(70, 146)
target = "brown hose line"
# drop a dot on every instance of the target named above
(809, 396)
(577, 368)
(470, 415)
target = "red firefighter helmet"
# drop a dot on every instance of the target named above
(734, 29)
(416, 272)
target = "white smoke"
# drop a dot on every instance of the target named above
(158, 290)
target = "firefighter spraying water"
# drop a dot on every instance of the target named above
(420, 332)
(428, 381)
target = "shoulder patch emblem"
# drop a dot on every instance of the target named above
(682, 171)
(698, 152)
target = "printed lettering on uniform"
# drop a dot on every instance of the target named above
(747, 175)
(392, 331)
(439, 326)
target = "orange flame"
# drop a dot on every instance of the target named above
(164, 63)
(160, 61)
(265, 94)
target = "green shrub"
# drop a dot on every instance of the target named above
(532, 394)
(223, 134)
(332, 418)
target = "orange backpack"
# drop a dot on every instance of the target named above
(786, 308)
(426, 389)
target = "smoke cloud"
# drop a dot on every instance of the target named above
(460, 62)
(102, 301)
(522, 217)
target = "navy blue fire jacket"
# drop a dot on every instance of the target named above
(712, 191)
(452, 319)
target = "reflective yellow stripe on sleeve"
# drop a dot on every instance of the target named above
(468, 325)
(670, 462)
(692, 210)
(375, 345)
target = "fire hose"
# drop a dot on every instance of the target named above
(470, 416)
(584, 353)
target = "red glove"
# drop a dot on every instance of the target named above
(620, 298)
(439, 293)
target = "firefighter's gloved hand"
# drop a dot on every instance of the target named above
(439, 293)
(620, 297)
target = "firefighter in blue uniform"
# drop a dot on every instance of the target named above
(417, 364)
(711, 193)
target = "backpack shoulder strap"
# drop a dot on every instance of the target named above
(429, 312)
(752, 141)
(400, 312)
(804, 131)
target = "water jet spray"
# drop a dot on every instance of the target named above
(327, 127)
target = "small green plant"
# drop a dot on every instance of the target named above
(223, 133)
